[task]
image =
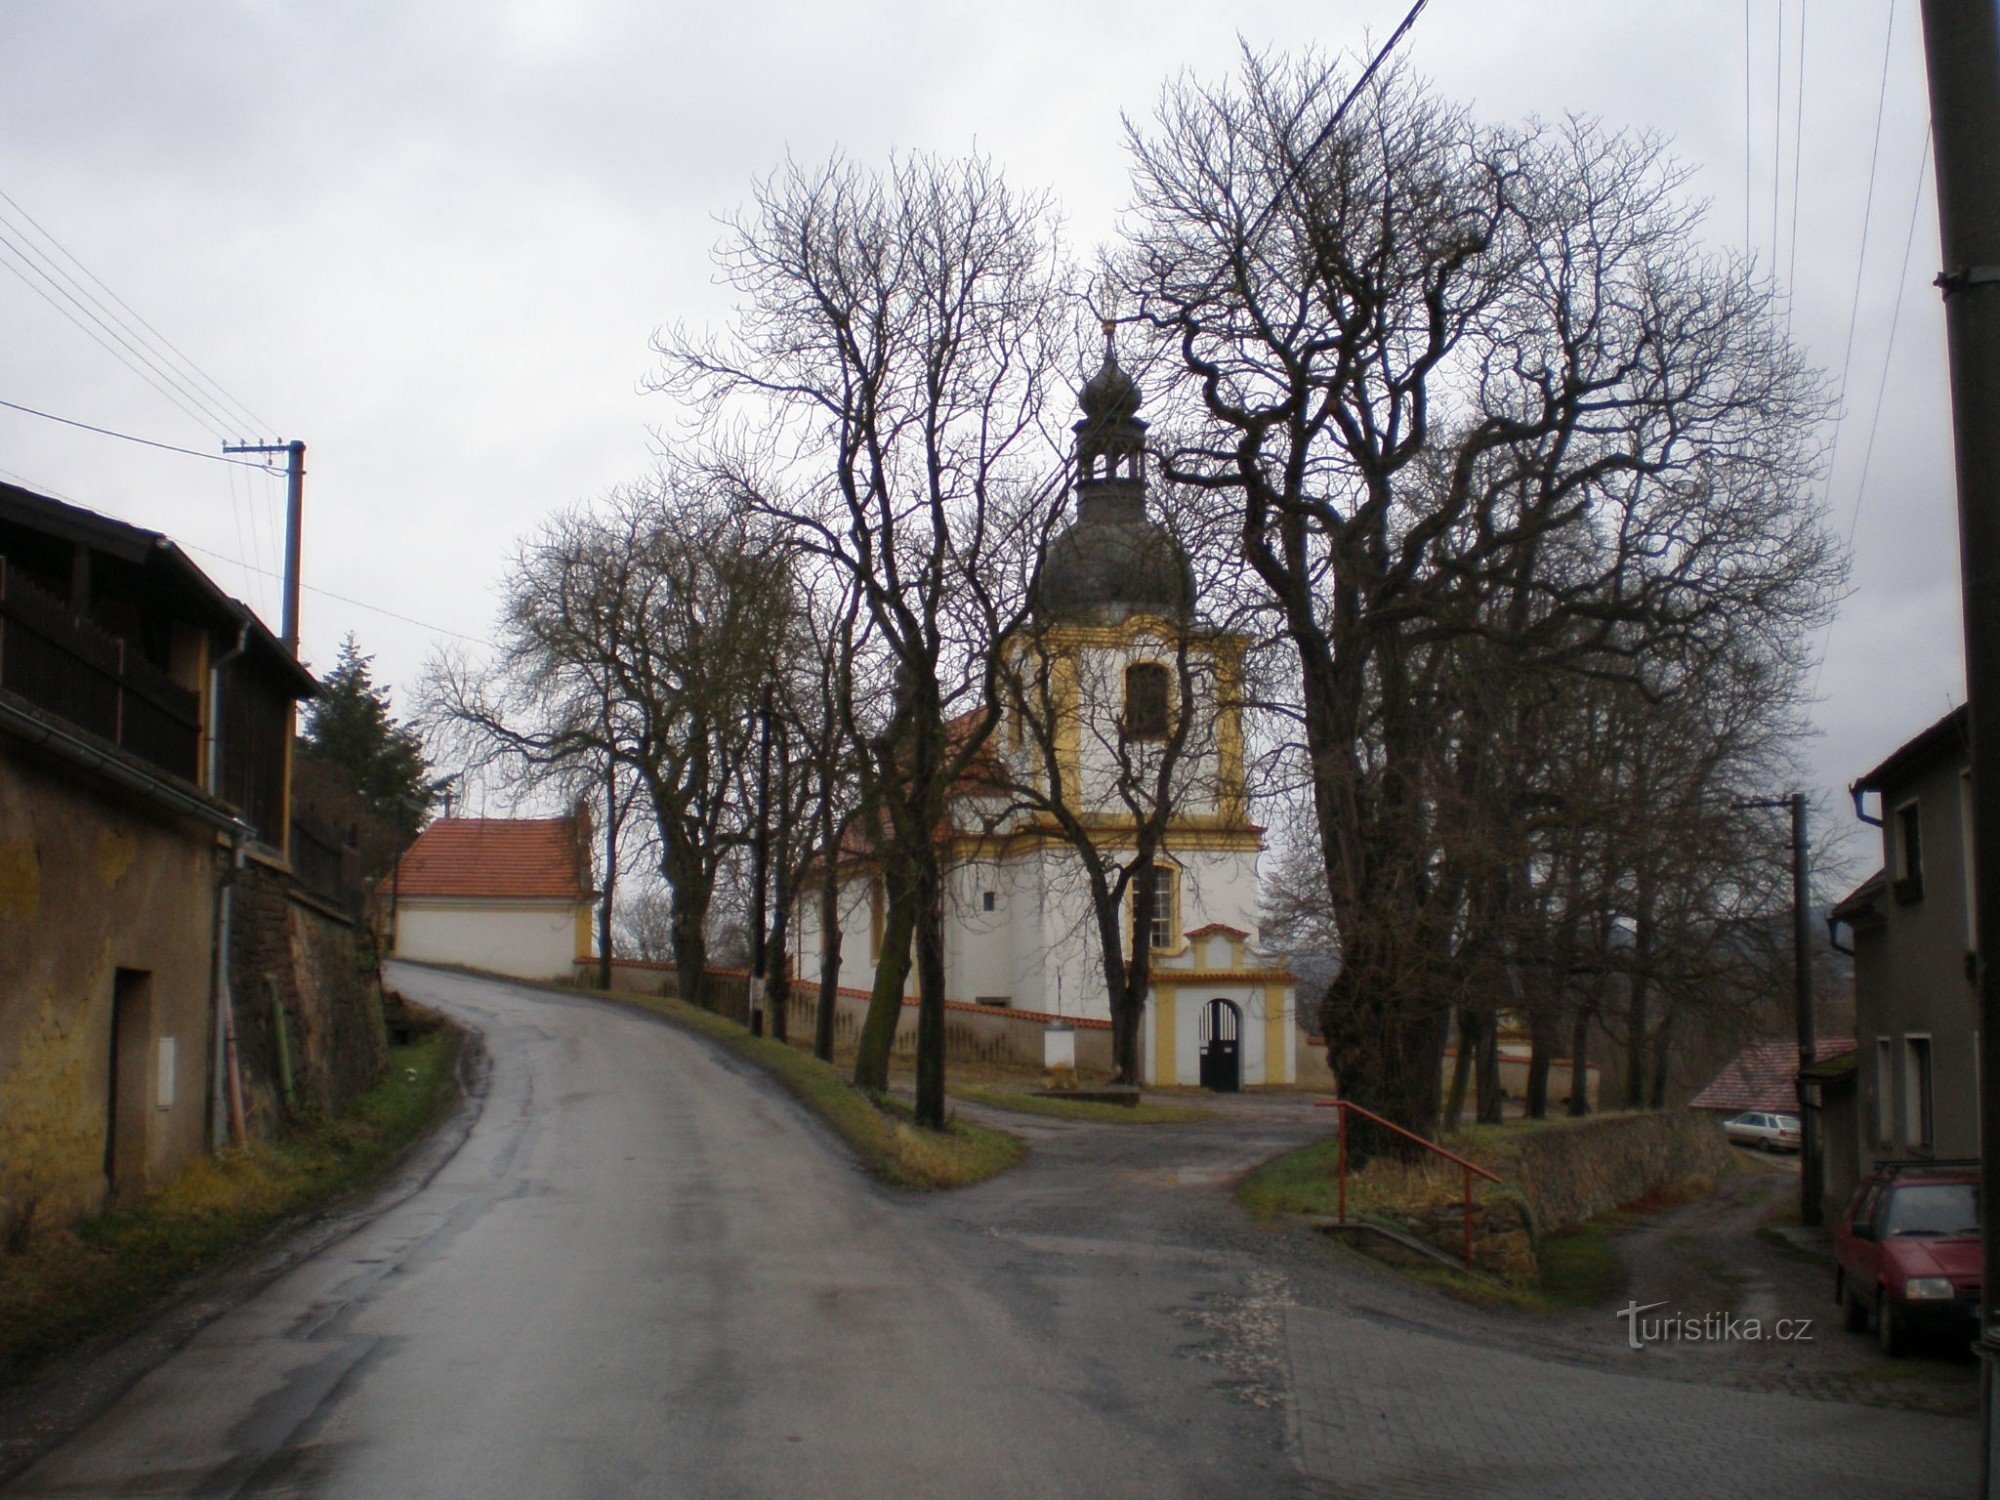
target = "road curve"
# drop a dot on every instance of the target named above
(645, 1272)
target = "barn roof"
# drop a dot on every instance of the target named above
(1764, 1075)
(526, 859)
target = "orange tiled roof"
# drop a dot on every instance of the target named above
(522, 858)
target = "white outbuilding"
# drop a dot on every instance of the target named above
(508, 895)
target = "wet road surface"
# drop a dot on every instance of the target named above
(647, 1272)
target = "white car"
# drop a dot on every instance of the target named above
(1769, 1131)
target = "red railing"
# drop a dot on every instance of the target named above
(1466, 1168)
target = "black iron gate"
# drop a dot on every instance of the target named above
(1221, 1047)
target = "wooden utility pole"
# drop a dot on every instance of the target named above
(1962, 57)
(295, 509)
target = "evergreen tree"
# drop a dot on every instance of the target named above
(349, 728)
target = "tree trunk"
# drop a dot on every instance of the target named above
(1656, 1094)
(885, 1001)
(1541, 1054)
(930, 992)
(1461, 1073)
(829, 940)
(1637, 1023)
(1490, 1112)
(689, 915)
(1579, 1062)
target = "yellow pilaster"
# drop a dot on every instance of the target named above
(1069, 733)
(1165, 1063)
(582, 934)
(1275, 1024)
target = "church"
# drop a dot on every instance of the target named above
(1112, 613)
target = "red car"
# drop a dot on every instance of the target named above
(1907, 1252)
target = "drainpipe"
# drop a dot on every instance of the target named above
(226, 1091)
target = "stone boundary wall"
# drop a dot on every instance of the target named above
(1573, 1172)
(293, 950)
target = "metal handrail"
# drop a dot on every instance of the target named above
(1466, 1168)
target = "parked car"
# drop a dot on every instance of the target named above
(1767, 1131)
(1907, 1252)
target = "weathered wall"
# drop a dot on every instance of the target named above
(293, 951)
(94, 881)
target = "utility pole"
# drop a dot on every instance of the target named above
(1962, 57)
(1811, 1165)
(295, 509)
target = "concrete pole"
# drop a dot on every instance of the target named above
(1962, 57)
(760, 864)
(295, 505)
(1811, 1171)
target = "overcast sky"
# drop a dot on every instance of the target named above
(432, 240)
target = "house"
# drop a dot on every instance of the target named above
(1113, 605)
(1916, 1078)
(1765, 1076)
(510, 895)
(159, 951)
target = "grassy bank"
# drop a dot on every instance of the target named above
(107, 1273)
(1026, 1102)
(882, 1134)
(1572, 1266)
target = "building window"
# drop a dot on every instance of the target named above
(1146, 701)
(1163, 931)
(1885, 1096)
(1909, 853)
(1917, 1117)
(989, 900)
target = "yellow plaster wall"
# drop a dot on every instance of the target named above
(1166, 1017)
(90, 883)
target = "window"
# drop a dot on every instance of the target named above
(989, 900)
(1917, 1117)
(1163, 932)
(1909, 853)
(1885, 1113)
(1146, 705)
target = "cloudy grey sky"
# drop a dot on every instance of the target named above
(431, 238)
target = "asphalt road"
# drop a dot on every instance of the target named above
(646, 1272)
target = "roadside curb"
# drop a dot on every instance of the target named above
(80, 1385)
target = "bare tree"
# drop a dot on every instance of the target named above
(639, 632)
(1438, 360)
(894, 344)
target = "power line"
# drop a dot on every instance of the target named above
(1861, 259)
(212, 417)
(255, 422)
(214, 458)
(1798, 156)
(99, 340)
(478, 640)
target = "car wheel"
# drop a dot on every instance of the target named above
(1889, 1331)
(1853, 1316)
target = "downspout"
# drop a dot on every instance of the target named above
(226, 1092)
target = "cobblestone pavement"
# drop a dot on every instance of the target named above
(1389, 1389)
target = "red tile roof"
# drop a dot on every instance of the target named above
(1764, 1075)
(533, 859)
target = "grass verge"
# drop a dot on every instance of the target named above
(889, 1143)
(1145, 1112)
(107, 1273)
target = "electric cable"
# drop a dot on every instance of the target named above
(215, 458)
(256, 423)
